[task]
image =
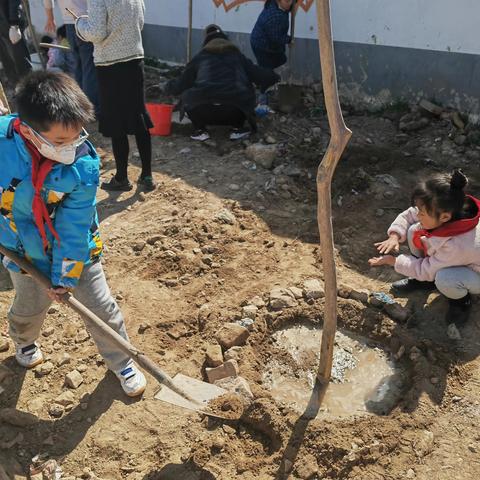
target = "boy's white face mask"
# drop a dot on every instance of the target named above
(64, 154)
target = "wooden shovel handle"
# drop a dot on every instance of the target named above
(340, 135)
(97, 323)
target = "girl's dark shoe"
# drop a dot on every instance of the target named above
(115, 185)
(459, 310)
(406, 285)
(147, 183)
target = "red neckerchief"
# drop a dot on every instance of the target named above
(41, 167)
(448, 230)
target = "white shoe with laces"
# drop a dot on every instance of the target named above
(132, 380)
(29, 356)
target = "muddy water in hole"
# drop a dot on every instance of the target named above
(364, 380)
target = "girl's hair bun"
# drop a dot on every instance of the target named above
(459, 180)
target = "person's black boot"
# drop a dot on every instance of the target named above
(407, 285)
(459, 310)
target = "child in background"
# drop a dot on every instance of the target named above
(270, 37)
(61, 60)
(48, 186)
(443, 233)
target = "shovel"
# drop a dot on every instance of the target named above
(183, 391)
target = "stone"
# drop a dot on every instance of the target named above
(63, 359)
(4, 345)
(460, 140)
(143, 327)
(48, 331)
(257, 301)
(270, 140)
(234, 187)
(228, 369)
(225, 216)
(296, 292)
(233, 353)
(453, 333)
(65, 398)
(414, 125)
(231, 335)
(313, 288)
(360, 294)
(73, 379)
(379, 212)
(458, 121)
(250, 311)
(263, 155)
(17, 418)
(246, 322)
(307, 468)
(214, 356)
(139, 246)
(281, 298)
(44, 369)
(430, 107)
(410, 473)
(56, 410)
(434, 380)
(82, 336)
(424, 445)
(236, 385)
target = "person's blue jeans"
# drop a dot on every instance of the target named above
(83, 66)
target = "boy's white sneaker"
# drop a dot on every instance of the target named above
(133, 381)
(29, 356)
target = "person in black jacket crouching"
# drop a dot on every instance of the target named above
(217, 87)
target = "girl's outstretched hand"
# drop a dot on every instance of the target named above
(384, 260)
(392, 243)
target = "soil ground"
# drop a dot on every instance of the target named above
(179, 274)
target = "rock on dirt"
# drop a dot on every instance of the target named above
(231, 335)
(44, 369)
(424, 445)
(236, 385)
(282, 298)
(3, 344)
(73, 379)
(263, 155)
(296, 292)
(225, 216)
(307, 468)
(257, 301)
(313, 288)
(214, 356)
(56, 410)
(228, 369)
(65, 399)
(17, 418)
(233, 353)
(250, 311)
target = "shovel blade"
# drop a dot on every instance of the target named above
(203, 392)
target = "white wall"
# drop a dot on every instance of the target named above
(443, 25)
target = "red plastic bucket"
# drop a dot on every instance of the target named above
(161, 115)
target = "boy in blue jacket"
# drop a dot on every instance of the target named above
(270, 37)
(48, 184)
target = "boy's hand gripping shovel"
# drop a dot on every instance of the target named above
(183, 391)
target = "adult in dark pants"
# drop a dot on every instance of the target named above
(115, 28)
(14, 53)
(82, 52)
(217, 87)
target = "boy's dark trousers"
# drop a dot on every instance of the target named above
(15, 58)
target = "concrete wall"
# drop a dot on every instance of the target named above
(386, 50)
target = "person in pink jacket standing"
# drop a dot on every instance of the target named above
(443, 233)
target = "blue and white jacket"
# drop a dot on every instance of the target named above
(69, 193)
(270, 33)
